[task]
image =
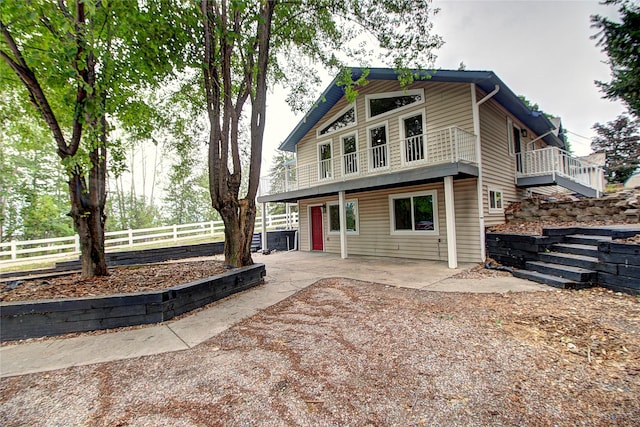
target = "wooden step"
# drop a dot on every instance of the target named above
(586, 239)
(576, 274)
(547, 279)
(574, 260)
(576, 249)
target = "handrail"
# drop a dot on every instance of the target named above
(57, 247)
(553, 160)
(447, 145)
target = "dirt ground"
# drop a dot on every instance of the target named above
(349, 353)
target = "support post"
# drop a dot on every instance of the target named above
(450, 214)
(343, 225)
(264, 227)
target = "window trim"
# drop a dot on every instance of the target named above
(357, 214)
(342, 153)
(367, 98)
(336, 116)
(392, 218)
(419, 111)
(496, 210)
(318, 159)
(384, 123)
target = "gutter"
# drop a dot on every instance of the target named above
(476, 129)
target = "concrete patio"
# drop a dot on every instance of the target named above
(287, 273)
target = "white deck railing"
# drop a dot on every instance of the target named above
(554, 161)
(447, 145)
(47, 249)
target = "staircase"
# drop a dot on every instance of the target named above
(570, 264)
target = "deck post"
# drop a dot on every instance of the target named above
(264, 227)
(449, 207)
(343, 225)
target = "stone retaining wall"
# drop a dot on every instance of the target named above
(622, 207)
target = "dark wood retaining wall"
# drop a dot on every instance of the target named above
(625, 259)
(20, 320)
(618, 267)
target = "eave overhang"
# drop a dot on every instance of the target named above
(485, 80)
(403, 178)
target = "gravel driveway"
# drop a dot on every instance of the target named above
(349, 353)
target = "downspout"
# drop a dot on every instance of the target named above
(476, 129)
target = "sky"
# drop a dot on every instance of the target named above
(540, 49)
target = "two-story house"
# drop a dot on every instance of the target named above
(420, 171)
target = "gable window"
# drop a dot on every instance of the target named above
(381, 104)
(414, 213)
(349, 154)
(412, 134)
(344, 118)
(378, 149)
(351, 216)
(495, 201)
(325, 162)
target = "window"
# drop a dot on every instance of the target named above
(345, 118)
(349, 154)
(325, 163)
(412, 135)
(378, 150)
(414, 213)
(351, 216)
(381, 104)
(495, 201)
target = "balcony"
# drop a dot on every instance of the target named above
(553, 166)
(439, 147)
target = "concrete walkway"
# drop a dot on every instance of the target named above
(287, 273)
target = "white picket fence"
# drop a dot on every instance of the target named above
(46, 249)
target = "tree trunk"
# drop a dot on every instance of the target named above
(89, 224)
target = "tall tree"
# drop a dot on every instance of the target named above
(621, 42)
(248, 44)
(80, 61)
(620, 141)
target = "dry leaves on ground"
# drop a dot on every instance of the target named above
(140, 278)
(349, 353)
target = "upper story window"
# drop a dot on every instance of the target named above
(380, 104)
(325, 160)
(345, 118)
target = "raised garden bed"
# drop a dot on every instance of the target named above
(21, 320)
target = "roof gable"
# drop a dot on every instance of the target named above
(486, 80)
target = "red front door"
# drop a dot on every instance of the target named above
(316, 228)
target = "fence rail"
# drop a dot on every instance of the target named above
(47, 249)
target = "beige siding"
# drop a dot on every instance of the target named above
(446, 104)
(375, 238)
(498, 166)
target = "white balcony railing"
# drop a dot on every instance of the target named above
(447, 145)
(554, 161)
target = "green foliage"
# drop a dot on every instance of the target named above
(620, 141)
(563, 133)
(621, 42)
(43, 217)
(323, 34)
(31, 180)
(128, 212)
